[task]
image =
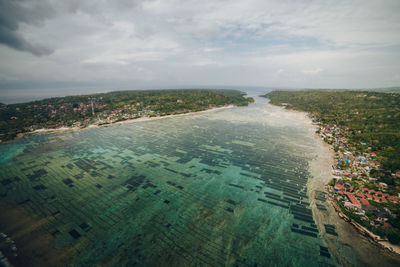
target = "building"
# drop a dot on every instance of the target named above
(393, 199)
(364, 202)
(354, 202)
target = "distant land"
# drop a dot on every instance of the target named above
(105, 108)
(363, 127)
(385, 90)
(394, 89)
(33, 92)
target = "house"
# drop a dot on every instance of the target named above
(393, 199)
(348, 204)
(383, 185)
(360, 195)
(353, 200)
(348, 187)
(364, 202)
(339, 187)
(372, 191)
(387, 225)
(381, 214)
(337, 172)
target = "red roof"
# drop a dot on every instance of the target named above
(339, 186)
(340, 193)
(364, 202)
(352, 199)
(368, 196)
(393, 198)
(360, 195)
(385, 195)
(383, 199)
(364, 189)
(387, 225)
(376, 198)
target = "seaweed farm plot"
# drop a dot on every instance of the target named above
(207, 189)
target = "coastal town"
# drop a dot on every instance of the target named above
(356, 186)
(108, 108)
(362, 129)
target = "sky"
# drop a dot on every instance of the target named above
(184, 43)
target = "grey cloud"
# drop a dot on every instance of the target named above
(14, 40)
(12, 13)
(152, 43)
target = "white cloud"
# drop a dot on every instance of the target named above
(205, 62)
(280, 71)
(313, 71)
(174, 42)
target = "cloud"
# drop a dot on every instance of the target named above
(12, 13)
(313, 71)
(159, 43)
(205, 62)
(280, 71)
(15, 40)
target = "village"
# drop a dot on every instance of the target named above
(95, 113)
(107, 108)
(356, 185)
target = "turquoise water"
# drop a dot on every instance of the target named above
(226, 187)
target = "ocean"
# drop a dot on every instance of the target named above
(231, 187)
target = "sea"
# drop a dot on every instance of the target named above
(229, 187)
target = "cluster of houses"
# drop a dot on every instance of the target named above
(359, 202)
(65, 108)
(131, 111)
(93, 111)
(352, 171)
(106, 116)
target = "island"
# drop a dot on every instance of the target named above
(363, 128)
(106, 108)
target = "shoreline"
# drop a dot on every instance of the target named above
(319, 166)
(141, 119)
(383, 243)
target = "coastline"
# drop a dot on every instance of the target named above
(384, 244)
(141, 119)
(320, 169)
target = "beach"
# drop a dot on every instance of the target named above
(354, 245)
(141, 119)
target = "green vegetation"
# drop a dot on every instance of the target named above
(363, 128)
(373, 118)
(395, 90)
(392, 234)
(109, 107)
